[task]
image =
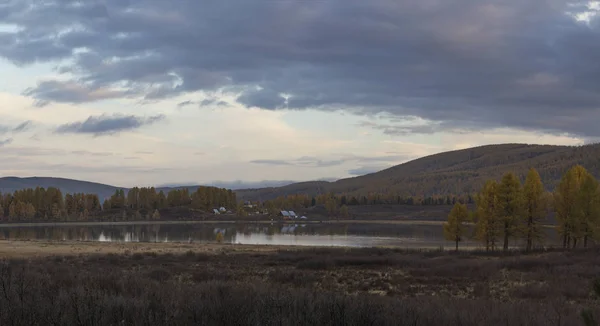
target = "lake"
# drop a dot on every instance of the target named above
(408, 235)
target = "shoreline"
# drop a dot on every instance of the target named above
(183, 222)
(174, 222)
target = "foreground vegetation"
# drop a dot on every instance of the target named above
(299, 287)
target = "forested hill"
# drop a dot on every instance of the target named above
(456, 172)
(449, 173)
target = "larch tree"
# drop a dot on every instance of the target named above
(455, 228)
(588, 202)
(566, 197)
(344, 212)
(510, 205)
(487, 228)
(535, 207)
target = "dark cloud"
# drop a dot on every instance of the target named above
(461, 63)
(4, 142)
(107, 125)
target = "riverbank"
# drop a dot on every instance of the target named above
(216, 221)
(189, 284)
(241, 221)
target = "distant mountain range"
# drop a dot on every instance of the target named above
(10, 184)
(454, 172)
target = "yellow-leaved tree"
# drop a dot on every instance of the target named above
(535, 209)
(588, 205)
(487, 229)
(510, 205)
(566, 202)
(455, 229)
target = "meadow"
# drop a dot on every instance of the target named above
(54, 283)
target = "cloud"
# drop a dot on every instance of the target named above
(24, 126)
(408, 126)
(271, 162)
(527, 65)
(108, 125)
(309, 161)
(185, 103)
(213, 101)
(5, 141)
(70, 92)
(89, 153)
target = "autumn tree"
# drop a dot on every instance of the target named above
(588, 205)
(240, 211)
(488, 227)
(344, 212)
(510, 205)
(331, 206)
(455, 229)
(566, 198)
(534, 209)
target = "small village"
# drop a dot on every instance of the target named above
(284, 215)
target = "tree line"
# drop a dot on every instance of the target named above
(205, 198)
(508, 210)
(50, 204)
(337, 203)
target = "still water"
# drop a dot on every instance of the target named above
(346, 235)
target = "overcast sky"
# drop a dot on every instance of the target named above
(132, 92)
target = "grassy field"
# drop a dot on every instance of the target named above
(58, 283)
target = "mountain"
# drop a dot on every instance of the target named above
(455, 172)
(10, 184)
(449, 173)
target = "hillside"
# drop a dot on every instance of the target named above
(455, 172)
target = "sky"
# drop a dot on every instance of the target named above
(256, 92)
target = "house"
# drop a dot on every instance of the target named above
(216, 211)
(222, 209)
(285, 214)
(293, 214)
(303, 217)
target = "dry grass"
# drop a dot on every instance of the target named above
(144, 284)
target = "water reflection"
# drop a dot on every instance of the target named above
(350, 235)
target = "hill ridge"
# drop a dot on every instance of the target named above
(453, 172)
